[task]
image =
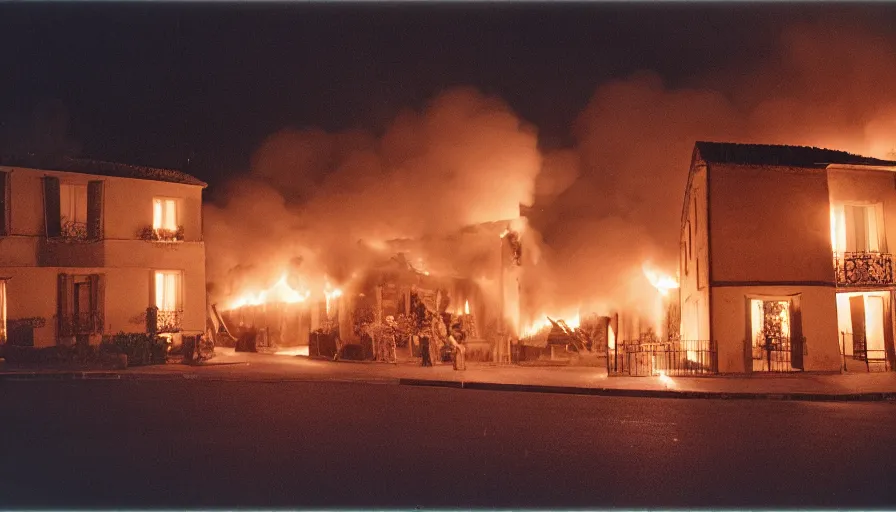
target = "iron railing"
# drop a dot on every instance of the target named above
(162, 321)
(863, 268)
(89, 322)
(875, 359)
(776, 354)
(673, 358)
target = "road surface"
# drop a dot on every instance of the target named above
(189, 444)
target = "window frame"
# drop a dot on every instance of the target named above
(180, 293)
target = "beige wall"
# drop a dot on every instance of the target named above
(694, 260)
(769, 224)
(819, 324)
(34, 263)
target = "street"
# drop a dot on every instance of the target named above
(189, 444)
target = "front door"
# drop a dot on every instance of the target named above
(857, 318)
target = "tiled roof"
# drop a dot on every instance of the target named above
(99, 167)
(791, 156)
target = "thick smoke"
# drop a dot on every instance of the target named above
(600, 209)
(825, 87)
(323, 204)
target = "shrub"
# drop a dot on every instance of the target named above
(141, 348)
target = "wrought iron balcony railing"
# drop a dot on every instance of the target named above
(863, 269)
(160, 320)
(90, 322)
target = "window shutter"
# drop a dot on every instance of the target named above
(98, 301)
(4, 204)
(52, 220)
(65, 305)
(95, 210)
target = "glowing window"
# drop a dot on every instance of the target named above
(73, 203)
(164, 214)
(168, 290)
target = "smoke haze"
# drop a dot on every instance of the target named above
(600, 209)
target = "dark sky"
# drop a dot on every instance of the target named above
(150, 83)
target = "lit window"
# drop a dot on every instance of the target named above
(73, 203)
(164, 214)
(168, 290)
(854, 228)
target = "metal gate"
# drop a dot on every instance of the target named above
(779, 354)
(673, 358)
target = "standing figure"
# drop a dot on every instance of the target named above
(458, 349)
(423, 328)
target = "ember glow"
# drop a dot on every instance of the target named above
(662, 282)
(279, 292)
(466, 307)
(331, 294)
(542, 323)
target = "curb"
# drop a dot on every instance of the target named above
(647, 393)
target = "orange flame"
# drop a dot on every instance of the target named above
(662, 282)
(279, 292)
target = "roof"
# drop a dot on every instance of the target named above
(790, 156)
(99, 167)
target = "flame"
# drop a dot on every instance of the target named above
(279, 292)
(331, 294)
(542, 323)
(466, 307)
(662, 282)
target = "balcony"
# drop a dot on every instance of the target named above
(162, 321)
(89, 322)
(862, 269)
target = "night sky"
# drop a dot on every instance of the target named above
(154, 83)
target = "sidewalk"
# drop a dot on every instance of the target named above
(228, 365)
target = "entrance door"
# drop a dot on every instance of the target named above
(796, 334)
(874, 326)
(857, 316)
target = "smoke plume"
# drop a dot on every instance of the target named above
(600, 209)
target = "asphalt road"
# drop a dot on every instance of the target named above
(189, 444)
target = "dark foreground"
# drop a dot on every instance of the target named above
(226, 444)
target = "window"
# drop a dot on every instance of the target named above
(80, 304)
(73, 203)
(856, 228)
(164, 214)
(168, 290)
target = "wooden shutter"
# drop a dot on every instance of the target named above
(98, 301)
(65, 304)
(95, 210)
(797, 344)
(52, 219)
(4, 204)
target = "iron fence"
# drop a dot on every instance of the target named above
(673, 358)
(162, 321)
(87, 322)
(863, 268)
(874, 359)
(779, 354)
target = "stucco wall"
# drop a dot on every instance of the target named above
(694, 265)
(769, 224)
(819, 324)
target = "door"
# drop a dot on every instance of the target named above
(874, 326)
(796, 334)
(857, 316)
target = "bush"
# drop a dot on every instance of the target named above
(141, 348)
